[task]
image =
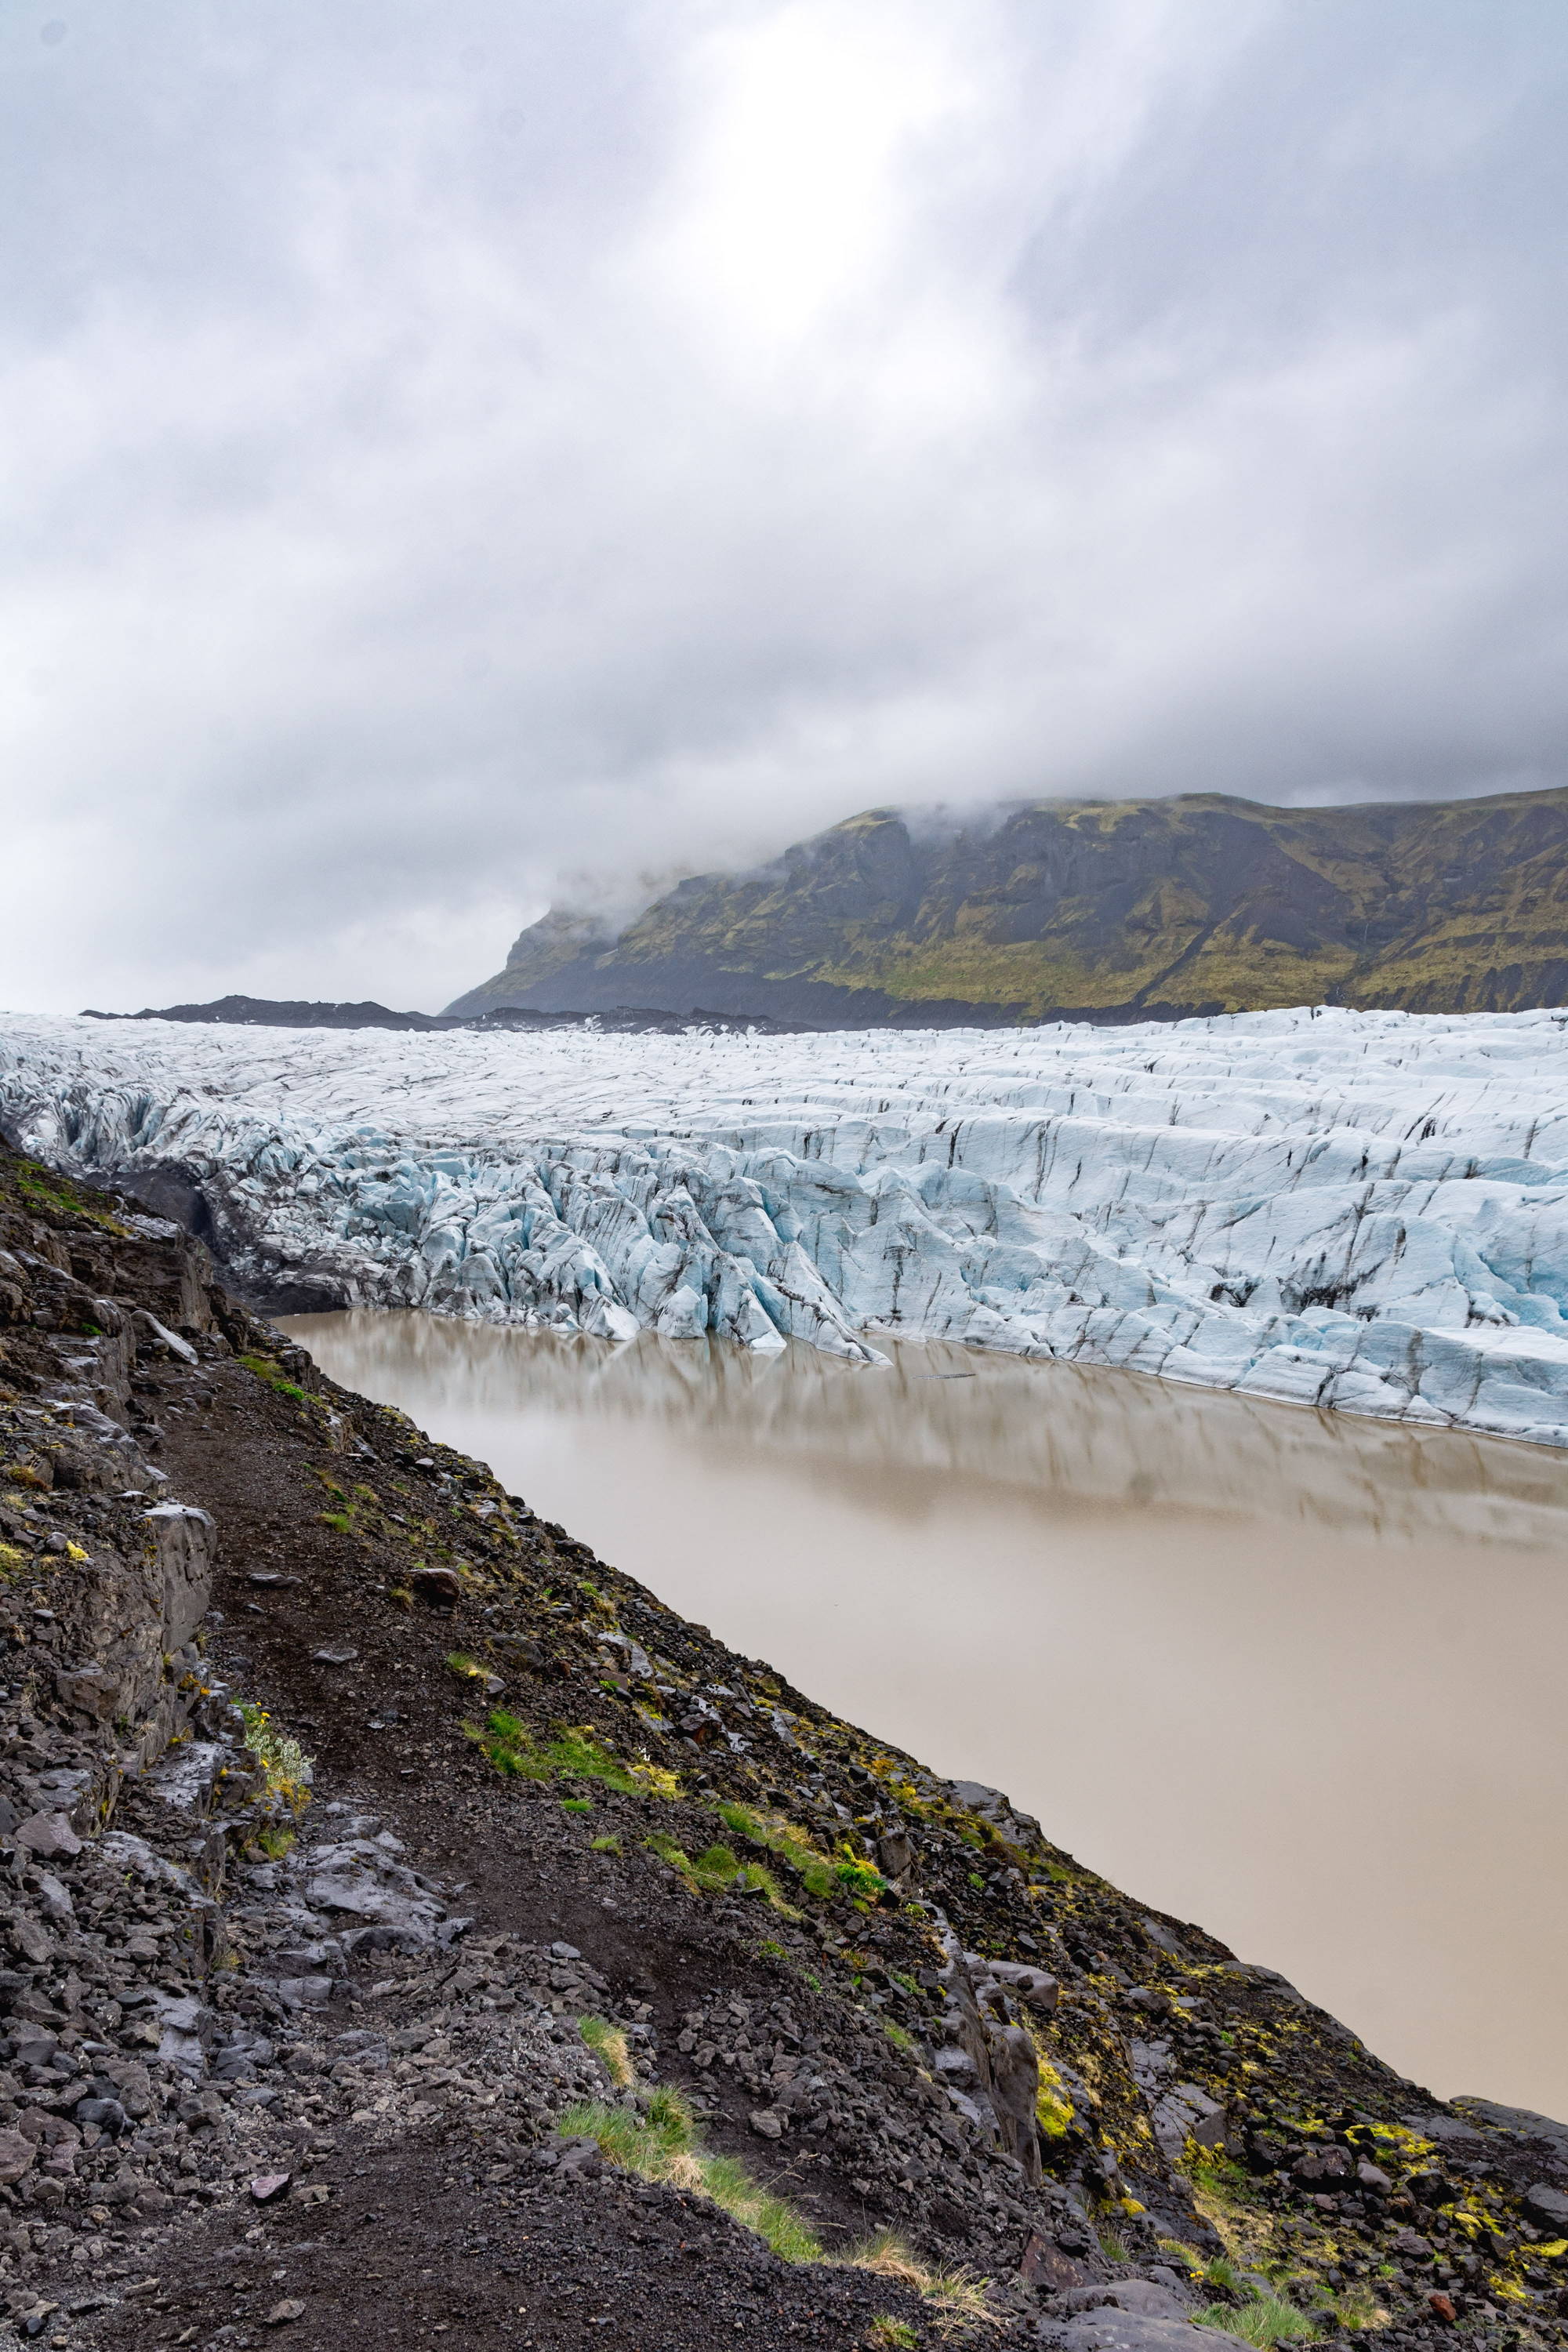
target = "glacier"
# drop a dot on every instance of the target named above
(1361, 1211)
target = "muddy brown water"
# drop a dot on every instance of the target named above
(1295, 1675)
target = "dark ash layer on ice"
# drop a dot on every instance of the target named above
(270, 2045)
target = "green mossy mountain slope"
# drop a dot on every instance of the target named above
(1107, 910)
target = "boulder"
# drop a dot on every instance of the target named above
(1188, 2112)
(1148, 2299)
(1109, 2330)
(1014, 2080)
(437, 1587)
(1035, 1986)
(48, 1835)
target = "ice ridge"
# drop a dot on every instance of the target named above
(1367, 1210)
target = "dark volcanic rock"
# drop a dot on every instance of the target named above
(367, 2033)
(268, 1012)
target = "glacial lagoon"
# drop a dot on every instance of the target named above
(1297, 1675)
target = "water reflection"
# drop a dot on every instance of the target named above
(1297, 1675)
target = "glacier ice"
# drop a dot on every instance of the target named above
(1361, 1209)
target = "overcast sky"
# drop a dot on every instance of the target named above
(456, 452)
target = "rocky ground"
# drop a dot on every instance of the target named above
(271, 1013)
(413, 1927)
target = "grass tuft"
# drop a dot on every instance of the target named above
(669, 1850)
(571, 1752)
(661, 2145)
(1264, 2320)
(656, 2145)
(273, 1376)
(508, 1744)
(759, 1880)
(895, 2333)
(823, 1875)
(719, 1868)
(716, 1868)
(956, 2297)
(1358, 2307)
(890, 2257)
(1178, 2251)
(781, 2225)
(608, 2045)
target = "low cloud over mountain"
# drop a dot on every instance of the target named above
(452, 451)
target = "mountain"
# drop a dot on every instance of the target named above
(1099, 910)
(270, 1013)
(557, 943)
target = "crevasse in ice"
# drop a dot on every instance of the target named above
(1362, 1210)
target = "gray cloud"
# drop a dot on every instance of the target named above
(449, 451)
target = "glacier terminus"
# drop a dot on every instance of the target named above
(1359, 1210)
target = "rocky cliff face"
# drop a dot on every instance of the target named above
(593, 1986)
(1103, 910)
(560, 941)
